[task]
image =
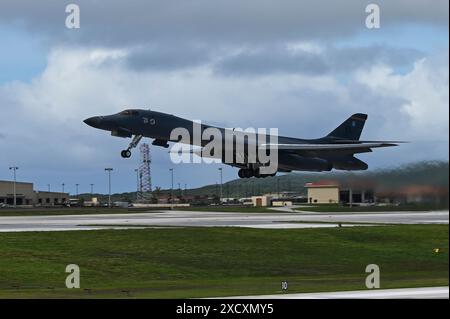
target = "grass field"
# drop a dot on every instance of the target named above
(205, 262)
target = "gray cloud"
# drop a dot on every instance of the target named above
(281, 60)
(166, 58)
(351, 58)
(272, 61)
(168, 35)
(118, 23)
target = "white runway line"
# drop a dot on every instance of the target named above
(403, 293)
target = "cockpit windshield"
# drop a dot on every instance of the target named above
(129, 112)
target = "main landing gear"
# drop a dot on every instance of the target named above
(248, 172)
(134, 142)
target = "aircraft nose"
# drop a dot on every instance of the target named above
(93, 121)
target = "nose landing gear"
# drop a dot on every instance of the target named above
(125, 153)
(134, 142)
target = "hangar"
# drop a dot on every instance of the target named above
(26, 195)
(331, 192)
(323, 193)
(50, 198)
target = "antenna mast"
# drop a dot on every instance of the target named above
(145, 177)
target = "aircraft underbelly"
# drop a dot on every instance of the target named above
(301, 163)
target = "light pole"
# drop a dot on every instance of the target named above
(63, 187)
(76, 187)
(278, 187)
(48, 187)
(171, 189)
(92, 189)
(137, 183)
(109, 169)
(14, 169)
(221, 183)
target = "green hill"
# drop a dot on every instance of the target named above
(431, 173)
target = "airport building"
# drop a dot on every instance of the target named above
(261, 201)
(50, 198)
(330, 192)
(281, 199)
(323, 193)
(26, 195)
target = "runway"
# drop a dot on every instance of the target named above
(406, 293)
(275, 220)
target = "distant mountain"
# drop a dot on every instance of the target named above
(434, 173)
(430, 173)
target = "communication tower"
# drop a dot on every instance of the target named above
(145, 176)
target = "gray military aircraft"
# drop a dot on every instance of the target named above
(334, 151)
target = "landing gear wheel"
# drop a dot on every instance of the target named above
(245, 173)
(248, 173)
(125, 153)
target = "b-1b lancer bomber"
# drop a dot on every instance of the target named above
(334, 151)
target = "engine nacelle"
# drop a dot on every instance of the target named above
(349, 164)
(162, 143)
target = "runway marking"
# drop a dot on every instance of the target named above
(401, 293)
(274, 220)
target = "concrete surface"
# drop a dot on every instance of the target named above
(211, 219)
(405, 293)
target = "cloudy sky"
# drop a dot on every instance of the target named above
(300, 66)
